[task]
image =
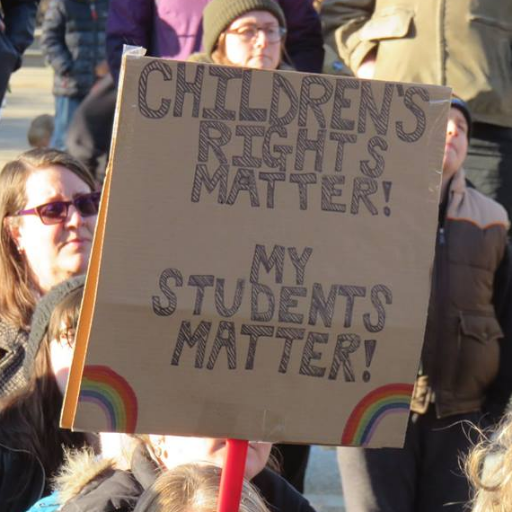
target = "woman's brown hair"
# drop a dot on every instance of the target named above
(17, 299)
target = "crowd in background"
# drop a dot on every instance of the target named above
(49, 200)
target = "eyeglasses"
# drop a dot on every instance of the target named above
(56, 212)
(249, 33)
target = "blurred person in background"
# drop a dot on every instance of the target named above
(17, 25)
(170, 29)
(466, 45)
(40, 131)
(73, 42)
(173, 28)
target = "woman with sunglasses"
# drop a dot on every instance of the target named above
(244, 33)
(31, 443)
(48, 209)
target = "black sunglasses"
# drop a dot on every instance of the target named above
(56, 212)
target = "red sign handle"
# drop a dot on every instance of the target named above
(232, 477)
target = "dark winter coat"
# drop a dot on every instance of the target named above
(19, 18)
(172, 28)
(73, 42)
(22, 479)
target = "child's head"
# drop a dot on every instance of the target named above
(172, 451)
(193, 488)
(40, 131)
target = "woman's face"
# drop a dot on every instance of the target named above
(58, 251)
(456, 145)
(176, 450)
(251, 41)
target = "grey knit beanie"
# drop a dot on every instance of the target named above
(41, 319)
(219, 14)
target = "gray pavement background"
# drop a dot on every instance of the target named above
(323, 485)
(31, 96)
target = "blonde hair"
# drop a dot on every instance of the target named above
(489, 469)
(193, 488)
(17, 299)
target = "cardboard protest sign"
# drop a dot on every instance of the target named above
(261, 267)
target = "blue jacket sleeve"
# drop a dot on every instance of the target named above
(304, 42)
(129, 22)
(49, 504)
(53, 39)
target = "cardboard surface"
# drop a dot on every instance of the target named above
(261, 269)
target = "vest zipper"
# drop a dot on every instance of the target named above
(441, 237)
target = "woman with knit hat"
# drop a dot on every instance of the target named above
(244, 33)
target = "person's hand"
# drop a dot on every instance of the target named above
(2, 26)
(367, 68)
(101, 69)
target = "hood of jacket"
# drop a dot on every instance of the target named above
(87, 483)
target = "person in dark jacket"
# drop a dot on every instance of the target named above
(73, 42)
(131, 465)
(464, 376)
(17, 25)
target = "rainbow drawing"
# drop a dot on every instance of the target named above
(372, 409)
(105, 388)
